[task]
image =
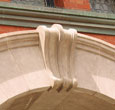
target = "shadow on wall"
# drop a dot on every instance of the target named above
(49, 3)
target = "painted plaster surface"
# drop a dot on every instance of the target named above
(57, 69)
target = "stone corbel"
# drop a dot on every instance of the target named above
(57, 46)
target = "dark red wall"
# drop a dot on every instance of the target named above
(5, 0)
(107, 38)
(73, 4)
(5, 29)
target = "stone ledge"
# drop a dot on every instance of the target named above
(32, 16)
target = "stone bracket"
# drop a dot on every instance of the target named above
(57, 46)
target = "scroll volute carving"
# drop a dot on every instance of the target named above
(57, 46)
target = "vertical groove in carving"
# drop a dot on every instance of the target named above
(64, 58)
(48, 45)
(53, 51)
(72, 57)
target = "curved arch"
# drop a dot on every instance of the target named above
(48, 65)
(78, 98)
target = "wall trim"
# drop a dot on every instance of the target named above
(32, 16)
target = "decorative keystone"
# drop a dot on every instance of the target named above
(57, 47)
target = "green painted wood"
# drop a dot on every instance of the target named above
(32, 16)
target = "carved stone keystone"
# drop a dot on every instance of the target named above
(57, 47)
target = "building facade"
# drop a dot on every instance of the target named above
(94, 18)
(57, 55)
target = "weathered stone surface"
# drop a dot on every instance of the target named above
(57, 69)
(103, 6)
(29, 2)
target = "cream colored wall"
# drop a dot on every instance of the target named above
(20, 61)
(95, 65)
(21, 66)
(95, 72)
